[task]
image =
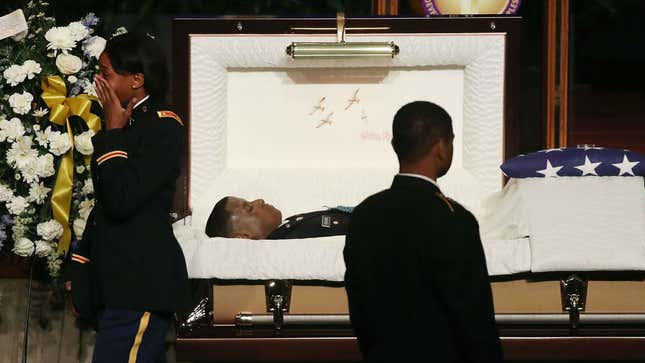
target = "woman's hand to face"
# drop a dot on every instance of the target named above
(115, 115)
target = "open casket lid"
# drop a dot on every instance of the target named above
(255, 129)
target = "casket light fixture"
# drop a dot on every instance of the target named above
(341, 48)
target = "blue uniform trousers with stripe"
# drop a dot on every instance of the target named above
(131, 336)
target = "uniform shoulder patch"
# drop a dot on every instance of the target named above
(170, 114)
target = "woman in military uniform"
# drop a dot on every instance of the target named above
(135, 267)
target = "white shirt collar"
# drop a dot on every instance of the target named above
(421, 177)
(141, 101)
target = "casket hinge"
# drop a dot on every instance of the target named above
(574, 298)
(278, 298)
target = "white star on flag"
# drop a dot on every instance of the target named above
(626, 166)
(550, 171)
(588, 167)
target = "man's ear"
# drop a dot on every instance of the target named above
(437, 150)
(443, 148)
(138, 80)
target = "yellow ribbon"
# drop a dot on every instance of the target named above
(61, 108)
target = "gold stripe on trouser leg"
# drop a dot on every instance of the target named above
(143, 325)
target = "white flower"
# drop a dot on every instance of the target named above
(41, 112)
(59, 143)
(79, 227)
(11, 129)
(85, 207)
(38, 192)
(53, 264)
(72, 79)
(17, 205)
(15, 74)
(30, 171)
(94, 46)
(83, 142)
(88, 87)
(88, 187)
(21, 153)
(20, 227)
(42, 138)
(68, 63)
(43, 249)
(21, 102)
(80, 169)
(32, 167)
(78, 31)
(49, 230)
(45, 166)
(5, 193)
(23, 247)
(60, 38)
(31, 68)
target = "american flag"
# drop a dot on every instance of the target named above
(576, 161)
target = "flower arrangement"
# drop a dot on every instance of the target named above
(46, 125)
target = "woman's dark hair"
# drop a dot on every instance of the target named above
(132, 53)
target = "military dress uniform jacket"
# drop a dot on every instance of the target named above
(136, 262)
(323, 223)
(416, 278)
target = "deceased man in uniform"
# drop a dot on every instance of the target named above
(235, 217)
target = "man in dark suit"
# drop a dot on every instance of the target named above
(416, 277)
(239, 218)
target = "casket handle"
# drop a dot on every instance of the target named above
(574, 295)
(278, 297)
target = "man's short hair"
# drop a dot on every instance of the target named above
(417, 127)
(219, 222)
